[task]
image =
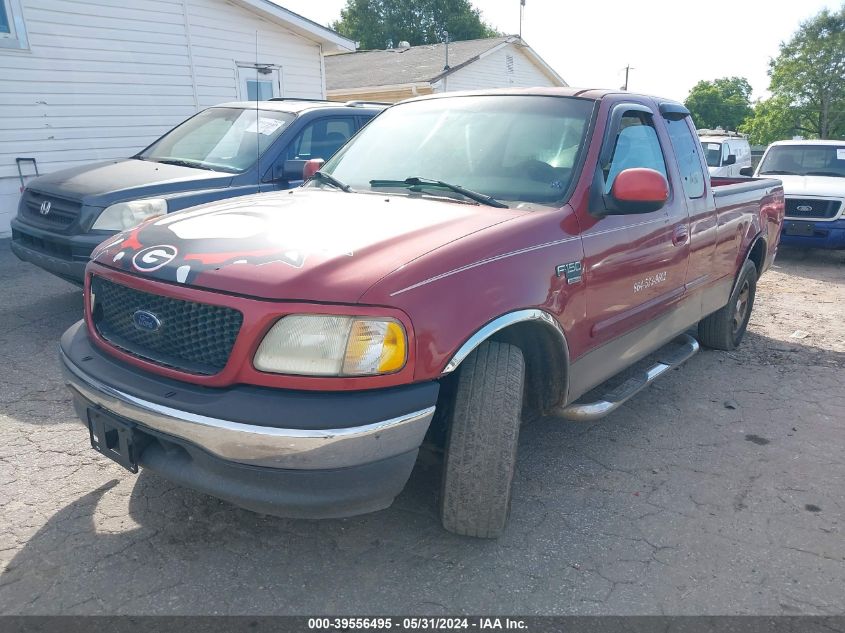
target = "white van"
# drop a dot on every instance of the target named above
(727, 153)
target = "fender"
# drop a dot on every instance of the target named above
(532, 315)
(500, 323)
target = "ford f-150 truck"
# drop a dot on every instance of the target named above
(813, 177)
(461, 257)
(233, 149)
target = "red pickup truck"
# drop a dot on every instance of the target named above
(463, 258)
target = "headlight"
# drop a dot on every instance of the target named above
(321, 345)
(128, 215)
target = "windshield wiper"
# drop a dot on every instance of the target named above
(779, 172)
(182, 163)
(331, 180)
(824, 173)
(415, 181)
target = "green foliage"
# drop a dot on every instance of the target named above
(724, 102)
(773, 120)
(385, 23)
(807, 84)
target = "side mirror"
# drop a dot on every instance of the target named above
(312, 167)
(730, 160)
(746, 171)
(292, 170)
(639, 190)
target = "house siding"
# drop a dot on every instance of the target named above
(491, 71)
(104, 78)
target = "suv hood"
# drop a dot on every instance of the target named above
(815, 186)
(102, 184)
(304, 244)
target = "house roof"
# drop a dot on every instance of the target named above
(300, 25)
(417, 64)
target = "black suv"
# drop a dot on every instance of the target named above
(229, 150)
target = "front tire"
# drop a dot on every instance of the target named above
(482, 439)
(725, 328)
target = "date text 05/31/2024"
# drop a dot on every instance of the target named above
(415, 624)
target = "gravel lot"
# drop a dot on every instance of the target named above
(720, 490)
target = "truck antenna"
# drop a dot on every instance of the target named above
(257, 133)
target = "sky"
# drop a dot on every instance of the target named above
(670, 46)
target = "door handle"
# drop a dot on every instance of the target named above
(680, 236)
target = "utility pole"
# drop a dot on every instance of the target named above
(627, 69)
(521, 10)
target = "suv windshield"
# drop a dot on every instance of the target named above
(805, 160)
(713, 153)
(223, 139)
(509, 148)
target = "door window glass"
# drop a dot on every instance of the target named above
(636, 145)
(321, 139)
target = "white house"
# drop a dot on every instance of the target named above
(87, 80)
(407, 71)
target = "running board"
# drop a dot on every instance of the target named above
(673, 355)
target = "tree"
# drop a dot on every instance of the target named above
(385, 23)
(809, 75)
(773, 120)
(724, 102)
(807, 84)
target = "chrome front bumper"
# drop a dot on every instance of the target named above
(259, 445)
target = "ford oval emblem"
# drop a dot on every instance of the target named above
(805, 207)
(146, 321)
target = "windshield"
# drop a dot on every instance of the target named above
(805, 160)
(511, 148)
(713, 153)
(222, 139)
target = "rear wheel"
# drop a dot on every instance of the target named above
(725, 328)
(482, 439)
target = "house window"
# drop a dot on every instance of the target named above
(12, 29)
(258, 83)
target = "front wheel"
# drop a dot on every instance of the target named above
(482, 439)
(725, 328)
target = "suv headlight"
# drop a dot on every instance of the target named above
(327, 345)
(128, 215)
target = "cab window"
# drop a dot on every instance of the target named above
(687, 148)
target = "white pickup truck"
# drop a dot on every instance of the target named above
(813, 176)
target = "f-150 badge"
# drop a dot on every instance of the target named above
(570, 270)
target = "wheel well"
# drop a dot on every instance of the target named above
(758, 254)
(545, 362)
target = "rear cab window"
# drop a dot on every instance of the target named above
(686, 147)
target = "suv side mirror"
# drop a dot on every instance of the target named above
(292, 170)
(639, 190)
(746, 171)
(730, 160)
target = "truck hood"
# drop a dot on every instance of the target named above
(304, 244)
(814, 186)
(102, 184)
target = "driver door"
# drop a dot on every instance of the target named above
(635, 264)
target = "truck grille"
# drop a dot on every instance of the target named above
(60, 212)
(811, 208)
(191, 337)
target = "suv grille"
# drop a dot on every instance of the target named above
(811, 208)
(192, 337)
(61, 213)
